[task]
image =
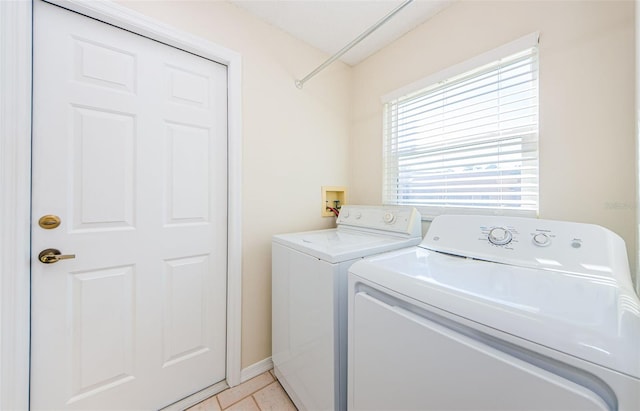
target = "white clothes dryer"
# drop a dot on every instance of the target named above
(309, 298)
(496, 313)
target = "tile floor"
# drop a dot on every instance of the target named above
(261, 393)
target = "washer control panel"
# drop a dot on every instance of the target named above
(395, 219)
(529, 242)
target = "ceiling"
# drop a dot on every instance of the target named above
(330, 25)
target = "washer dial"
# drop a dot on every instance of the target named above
(500, 236)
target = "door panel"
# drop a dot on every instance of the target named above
(186, 306)
(188, 178)
(103, 141)
(130, 151)
(102, 332)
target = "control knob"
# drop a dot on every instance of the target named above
(388, 217)
(541, 239)
(500, 236)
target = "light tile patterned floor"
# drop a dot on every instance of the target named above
(261, 393)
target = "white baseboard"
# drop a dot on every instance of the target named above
(255, 369)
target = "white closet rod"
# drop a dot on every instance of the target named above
(300, 83)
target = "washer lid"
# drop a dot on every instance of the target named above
(590, 317)
(338, 245)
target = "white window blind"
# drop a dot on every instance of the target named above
(467, 143)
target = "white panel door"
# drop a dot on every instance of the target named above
(130, 151)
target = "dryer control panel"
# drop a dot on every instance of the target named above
(529, 242)
(388, 219)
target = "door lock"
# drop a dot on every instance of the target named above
(51, 255)
(49, 221)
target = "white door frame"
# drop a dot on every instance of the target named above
(16, 48)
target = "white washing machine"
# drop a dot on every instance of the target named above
(309, 290)
(496, 313)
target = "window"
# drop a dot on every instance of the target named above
(466, 140)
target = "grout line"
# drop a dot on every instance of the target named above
(248, 395)
(253, 394)
(256, 402)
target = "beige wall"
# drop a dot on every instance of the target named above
(293, 140)
(587, 121)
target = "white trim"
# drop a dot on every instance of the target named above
(15, 172)
(138, 23)
(530, 40)
(15, 202)
(256, 369)
(636, 269)
(234, 221)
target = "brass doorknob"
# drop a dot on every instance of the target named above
(51, 255)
